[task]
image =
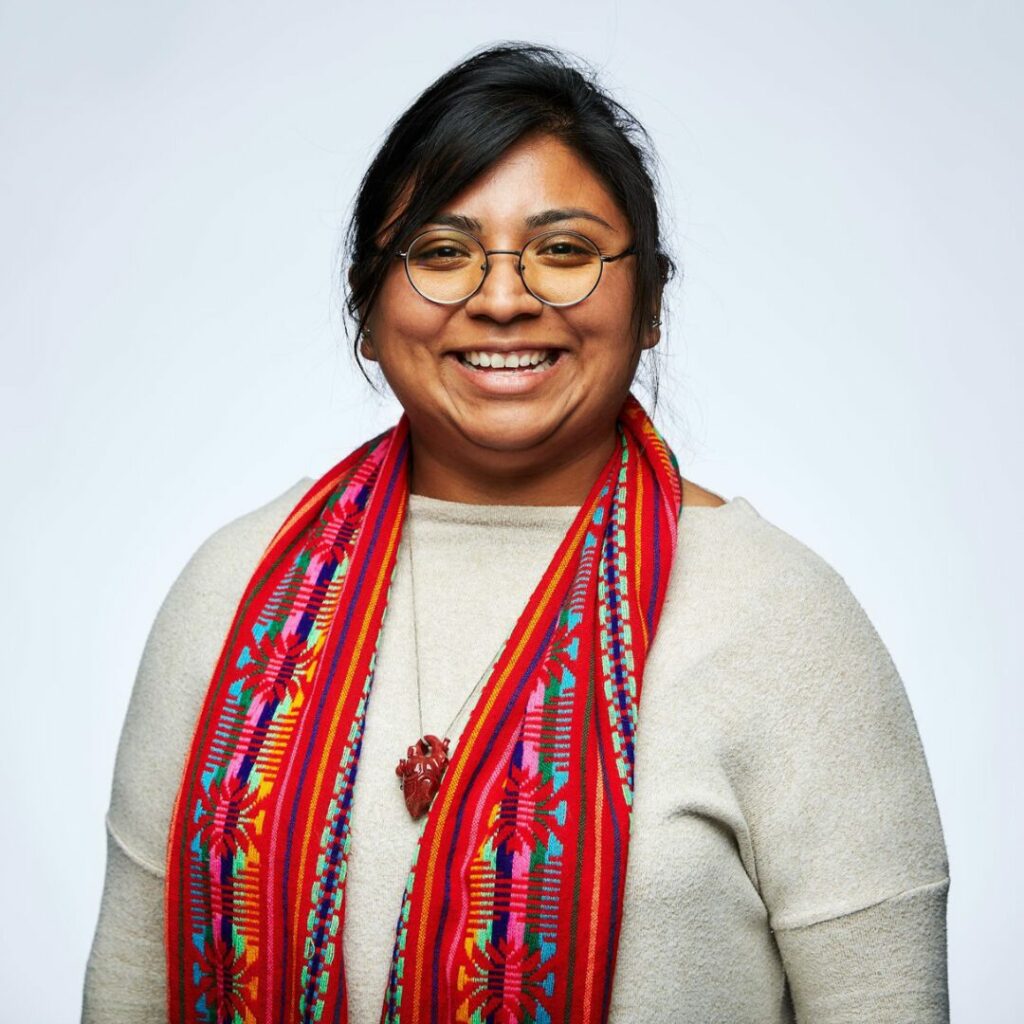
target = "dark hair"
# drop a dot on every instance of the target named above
(463, 123)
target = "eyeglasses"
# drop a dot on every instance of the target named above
(560, 268)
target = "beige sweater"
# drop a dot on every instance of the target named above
(787, 861)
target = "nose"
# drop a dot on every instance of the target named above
(503, 296)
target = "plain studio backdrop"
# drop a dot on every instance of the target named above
(842, 190)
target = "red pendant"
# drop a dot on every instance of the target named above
(421, 771)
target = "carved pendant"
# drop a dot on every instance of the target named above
(421, 771)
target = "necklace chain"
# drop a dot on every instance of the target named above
(416, 649)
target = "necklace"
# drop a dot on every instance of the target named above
(421, 770)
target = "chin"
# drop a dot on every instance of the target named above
(516, 434)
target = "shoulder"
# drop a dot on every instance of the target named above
(799, 694)
(223, 562)
(731, 553)
(174, 671)
(776, 616)
(213, 579)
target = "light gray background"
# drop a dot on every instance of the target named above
(843, 190)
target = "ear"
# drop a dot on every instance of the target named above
(367, 349)
(652, 337)
(653, 334)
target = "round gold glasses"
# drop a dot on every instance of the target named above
(560, 268)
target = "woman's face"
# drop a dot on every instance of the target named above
(507, 423)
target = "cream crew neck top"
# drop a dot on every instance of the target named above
(786, 863)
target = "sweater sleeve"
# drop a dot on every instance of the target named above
(848, 845)
(125, 976)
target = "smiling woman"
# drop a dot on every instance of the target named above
(680, 778)
(486, 428)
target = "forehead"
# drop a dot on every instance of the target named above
(533, 176)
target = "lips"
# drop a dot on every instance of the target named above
(504, 381)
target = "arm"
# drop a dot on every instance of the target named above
(850, 855)
(886, 962)
(125, 979)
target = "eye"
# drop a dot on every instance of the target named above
(440, 252)
(562, 249)
(565, 250)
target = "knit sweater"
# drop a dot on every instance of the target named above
(786, 861)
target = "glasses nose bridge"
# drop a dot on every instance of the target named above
(518, 253)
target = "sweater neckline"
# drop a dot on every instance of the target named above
(440, 510)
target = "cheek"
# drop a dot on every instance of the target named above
(402, 314)
(604, 321)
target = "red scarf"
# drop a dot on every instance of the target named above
(513, 904)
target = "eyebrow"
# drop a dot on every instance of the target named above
(534, 220)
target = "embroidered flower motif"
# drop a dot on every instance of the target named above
(223, 816)
(226, 982)
(522, 824)
(337, 532)
(506, 981)
(278, 665)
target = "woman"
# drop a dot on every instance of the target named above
(483, 594)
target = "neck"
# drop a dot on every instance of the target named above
(567, 481)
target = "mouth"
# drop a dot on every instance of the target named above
(519, 361)
(508, 374)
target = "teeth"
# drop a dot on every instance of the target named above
(507, 360)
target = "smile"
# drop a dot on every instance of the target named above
(525, 360)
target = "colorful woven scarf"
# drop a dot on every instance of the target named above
(512, 907)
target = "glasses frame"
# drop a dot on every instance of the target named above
(404, 256)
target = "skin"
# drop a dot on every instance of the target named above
(546, 447)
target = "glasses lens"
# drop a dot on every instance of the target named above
(561, 267)
(445, 265)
